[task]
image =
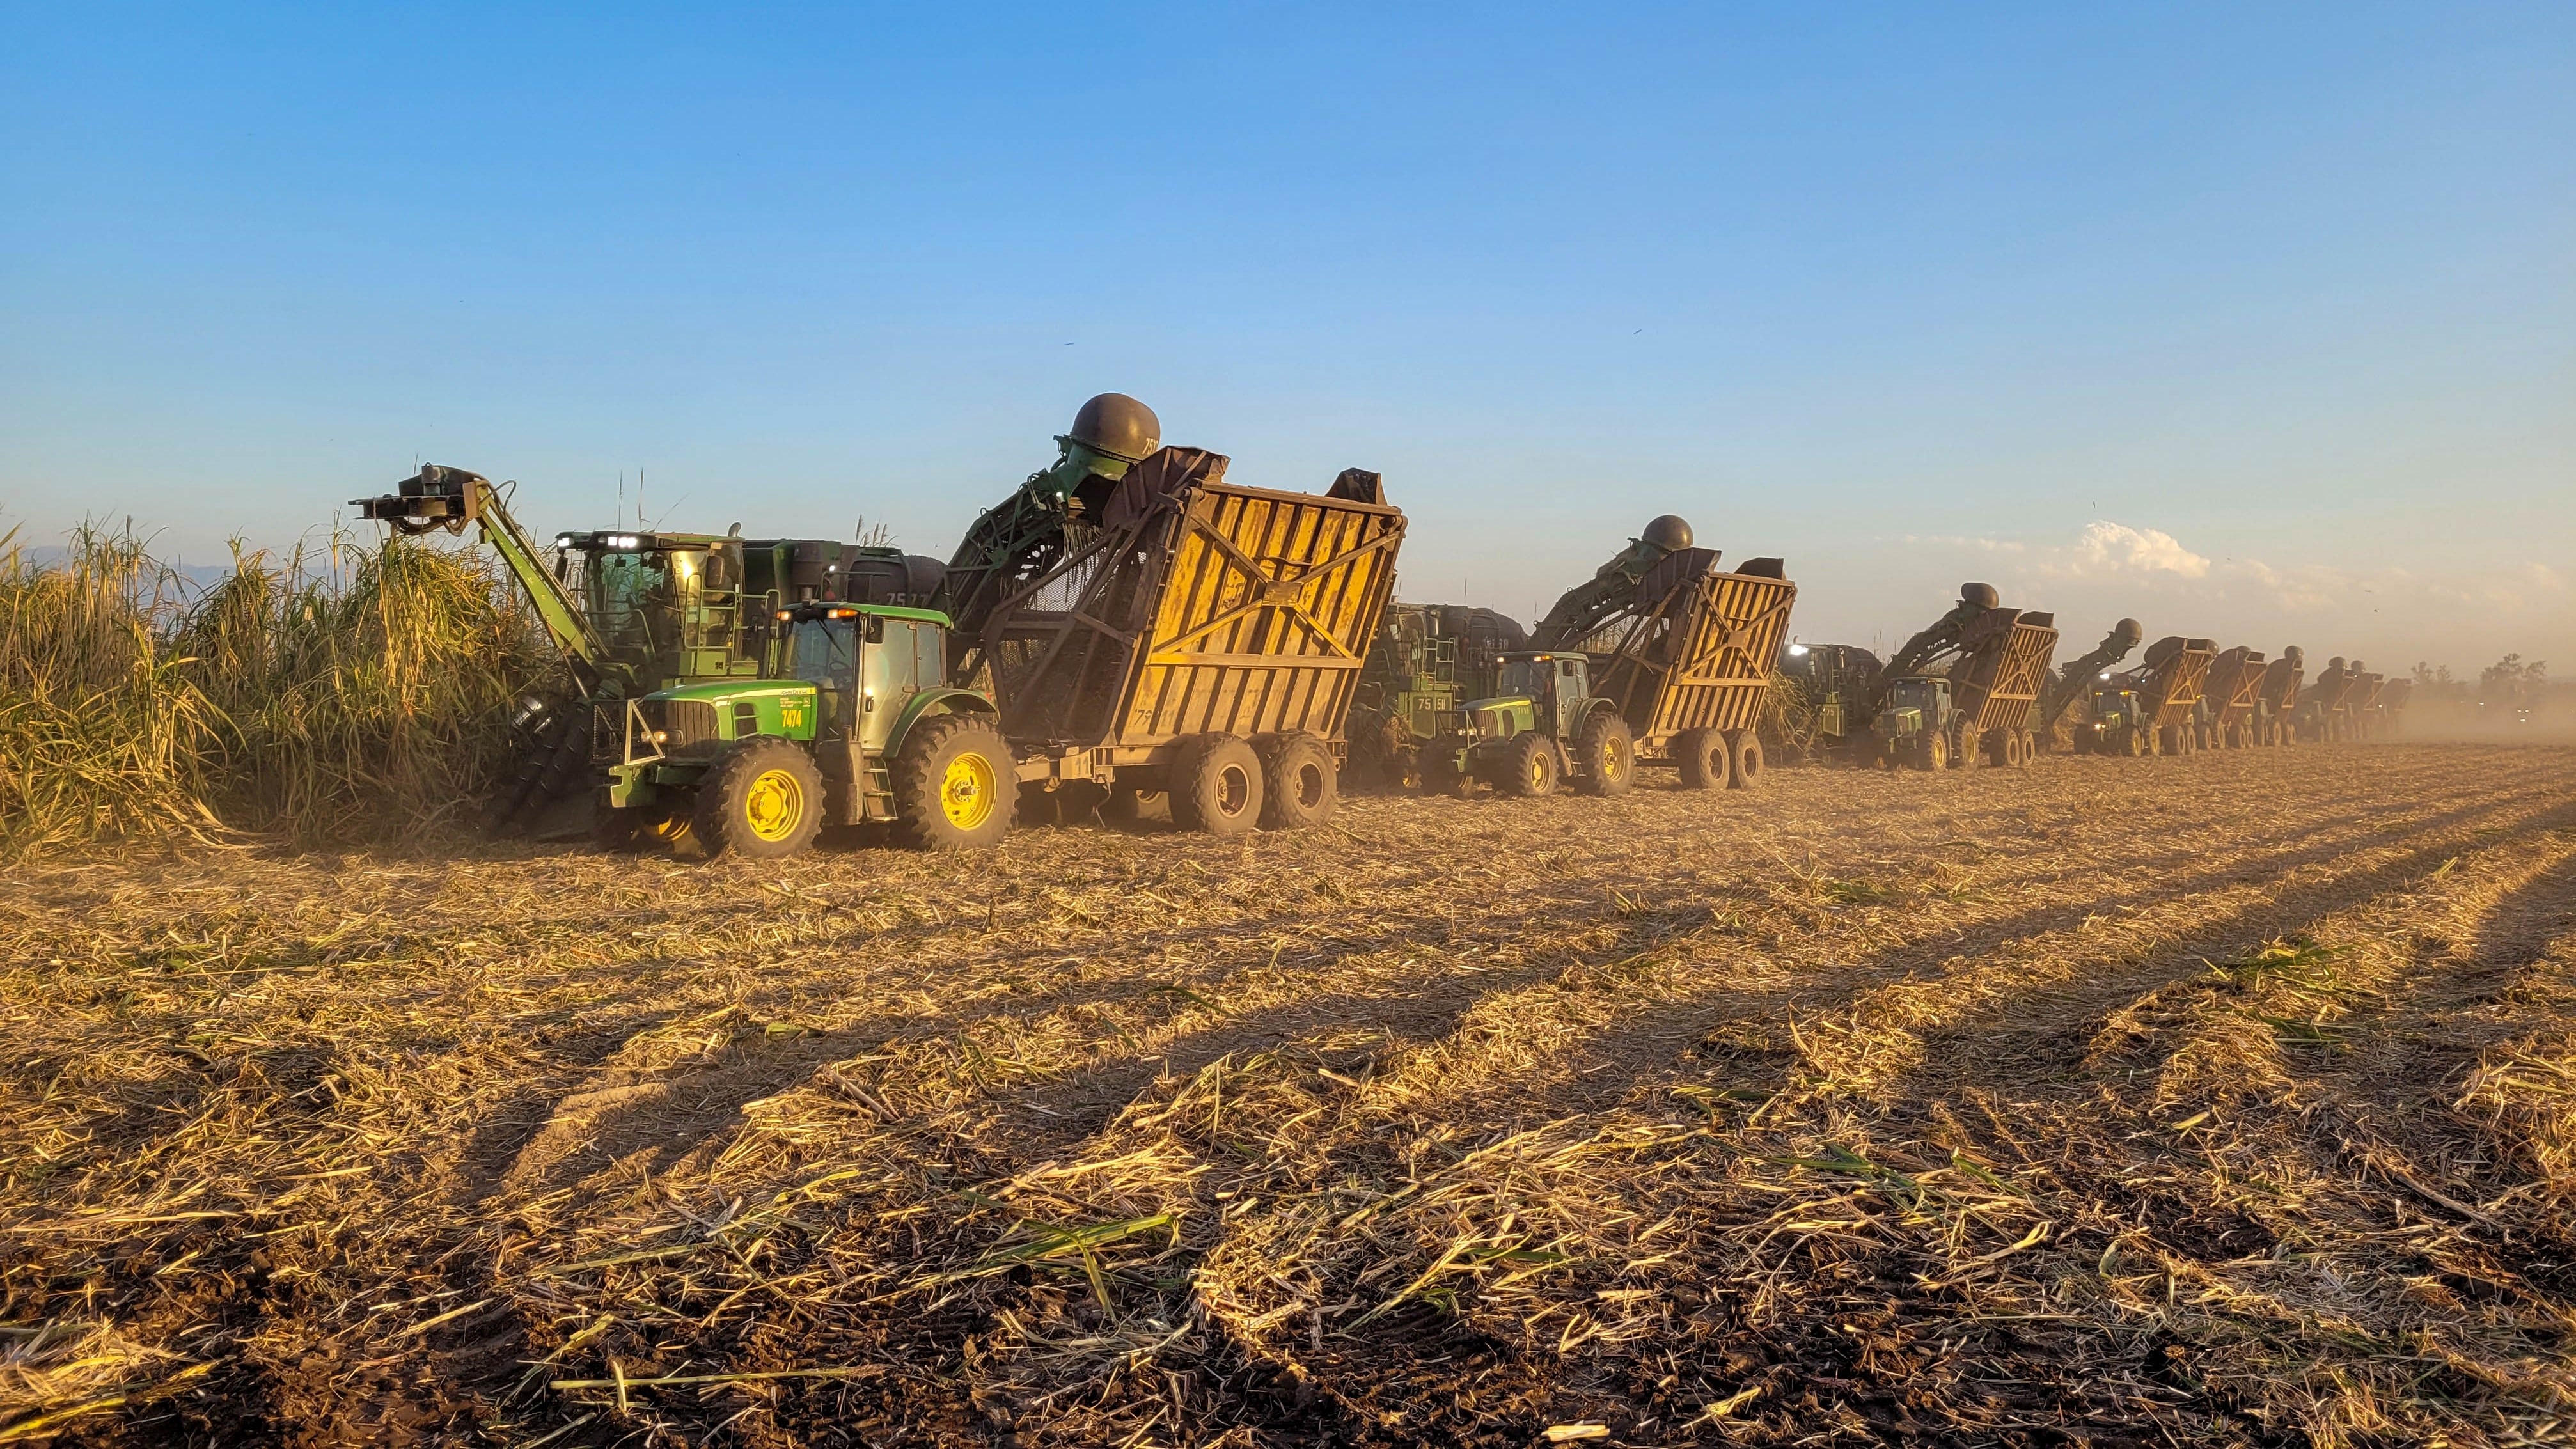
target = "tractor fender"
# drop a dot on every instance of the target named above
(930, 702)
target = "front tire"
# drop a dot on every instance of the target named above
(954, 788)
(1529, 765)
(1609, 755)
(1299, 786)
(763, 800)
(1216, 785)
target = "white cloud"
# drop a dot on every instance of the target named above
(2106, 547)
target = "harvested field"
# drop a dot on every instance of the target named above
(2225, 1100)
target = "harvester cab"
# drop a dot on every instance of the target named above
(851, 722)
(1542, 727)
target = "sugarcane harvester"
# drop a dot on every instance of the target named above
(2074, 680)
(1147, 627)
(1835, 682)
(1660, 656)
(2154, 708)
(1962, 693)
(631, 611)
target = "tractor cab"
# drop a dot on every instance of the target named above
(868, 665)
(1537, 689)
(1915, 706)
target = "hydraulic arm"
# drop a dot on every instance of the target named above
(1612, 588)
(1026, 534)
(1939, 640)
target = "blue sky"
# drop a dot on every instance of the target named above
(2251, 321)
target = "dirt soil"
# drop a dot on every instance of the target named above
(2217, 1101)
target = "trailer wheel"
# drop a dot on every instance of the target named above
(1706, 763)
(1609, 755)
(1299, 785)
(953, 784)
(1216, 785)
(1529, 765)
(764, 799)
(1744, 760)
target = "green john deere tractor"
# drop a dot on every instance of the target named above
(853, 723)
(1545, 727)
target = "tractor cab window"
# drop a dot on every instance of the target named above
(898, 671)
(1526, 676)
(1920, 694)
(823, 652)
(1570, 671)
(625, 589)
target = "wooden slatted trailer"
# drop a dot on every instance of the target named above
(2169, 688)
(1202, 639)
(1996, 684)
(2391, 707)
(2362, 706)
(2277, 698)
(1689, 666)
(2230, 698)
(2325, 709)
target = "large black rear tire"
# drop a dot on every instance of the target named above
(1744, 760)
(1608, 754)
(1706, 763)
(1299, 785)
(1216, 785)
(953, 784)
(764, 800)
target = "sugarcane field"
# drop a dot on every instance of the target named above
(1280, 729)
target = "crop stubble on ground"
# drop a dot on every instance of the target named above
(2218, 1101)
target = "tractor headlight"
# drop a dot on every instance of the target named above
(661, 737)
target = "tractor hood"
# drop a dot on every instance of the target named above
(1501, 716)
(698, 718)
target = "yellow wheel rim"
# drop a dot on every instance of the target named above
(1538, 771)
(1614, 762)
(966, 791)
(774, 805)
